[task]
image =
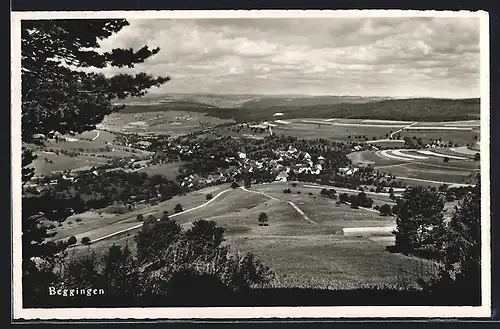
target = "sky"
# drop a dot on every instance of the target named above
(394, 57)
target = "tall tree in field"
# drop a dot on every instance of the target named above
(60, 94)
(420, 222)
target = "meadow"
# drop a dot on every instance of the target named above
(304, 250)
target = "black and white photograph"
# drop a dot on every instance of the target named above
(250, 164)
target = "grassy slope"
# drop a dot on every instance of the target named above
(300, 252)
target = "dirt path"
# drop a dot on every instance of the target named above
(399, 130)
(96, 136)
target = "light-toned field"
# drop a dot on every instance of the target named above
(461, 137)
(342, 130)
(425, 167)
(63, 162)
(174, 123)
(306, 248)
(430, 172)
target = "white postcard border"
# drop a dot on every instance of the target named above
(248, 312)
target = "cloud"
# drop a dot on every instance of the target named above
(437, 57)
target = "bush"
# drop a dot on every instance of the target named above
(446, 159)
(72, 240)
(85, 241)
(385, 210)
(70, 223)
(208, 196)
(178, 208)
(287, 191)
(477, 157)
(294, 184)
(140, 217)
(78, 220)
(235, 185)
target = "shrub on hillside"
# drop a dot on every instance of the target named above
(208, 196)
(385, 210)
(206, 233)
(178, 208)
(85, 240)
(235, 185)
(72, 240)
(140, 217)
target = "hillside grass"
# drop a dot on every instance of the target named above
(301, 253)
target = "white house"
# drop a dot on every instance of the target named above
(282, 177)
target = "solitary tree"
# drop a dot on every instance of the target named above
(58, 96)
(263, 219)
(477, 157)
(140, 217)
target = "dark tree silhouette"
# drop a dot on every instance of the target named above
(419, 222)
(57, 96)
(263, 219)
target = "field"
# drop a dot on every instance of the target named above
(461, 137)
(306, 248)
(421, 166)
(172, 123)
(90, 149)
(61, 163)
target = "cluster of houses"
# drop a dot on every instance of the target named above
(282, 165)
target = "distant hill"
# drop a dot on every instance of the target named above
(250, 101)
(262, 107)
